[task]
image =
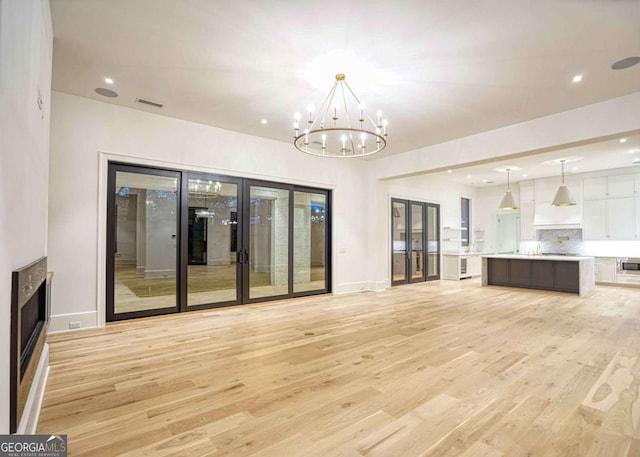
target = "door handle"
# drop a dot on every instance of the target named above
(242, 256)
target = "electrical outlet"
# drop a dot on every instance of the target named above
(76, 324)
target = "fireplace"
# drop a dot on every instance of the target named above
(28, 321)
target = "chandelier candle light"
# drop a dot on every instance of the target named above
(342, 127)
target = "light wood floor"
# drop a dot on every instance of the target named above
(437, 369)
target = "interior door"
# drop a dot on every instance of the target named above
(142, 242)
(399, 248)
(214, 278)
(417, 243)
(197, 233)
(433, 241)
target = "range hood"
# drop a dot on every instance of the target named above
(557, 217)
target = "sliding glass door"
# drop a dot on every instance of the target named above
(310, 210)
(143, 215)
(415, 241)
(267, 258)
(179, 240)
(212, 242)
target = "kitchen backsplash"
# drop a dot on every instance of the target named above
(563, 241)
(551, 241)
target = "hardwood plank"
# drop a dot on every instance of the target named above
(437, 369)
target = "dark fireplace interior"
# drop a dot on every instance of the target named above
(28, 320)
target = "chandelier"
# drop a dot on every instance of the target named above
(341, 127)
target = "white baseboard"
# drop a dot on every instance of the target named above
(31, 413)
(59, 323)
(378, 286)
(350, 287)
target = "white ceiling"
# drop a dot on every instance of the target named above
(439, 70)
(599, 155)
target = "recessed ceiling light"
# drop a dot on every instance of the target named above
(484, 180)
(525, 175)
(108, 80)
(625, 63)
(575, 168)
(623, 140)
(634, 151)
(449, 171)
(264, 121)
(468, 176)
(636, 160)
(106, 92)
(577, 78)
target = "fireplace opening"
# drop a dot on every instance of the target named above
(32, 320)
(28, 323)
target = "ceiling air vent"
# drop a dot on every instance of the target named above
(149, 102)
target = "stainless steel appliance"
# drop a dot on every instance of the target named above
(629, 266)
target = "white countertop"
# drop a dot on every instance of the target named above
(565, 258)
(485, 253)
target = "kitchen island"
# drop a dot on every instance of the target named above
(575, 274)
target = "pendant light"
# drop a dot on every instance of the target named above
(508, 203)
(563, 196)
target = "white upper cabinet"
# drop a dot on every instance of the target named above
(621, 218)
(621, 186)
(594, 188)
(594, 220)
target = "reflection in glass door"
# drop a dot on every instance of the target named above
(179, 240)
(433, 241)
(267, 262)
(417, 242)
(399, 242)
(212, 271)
(415, 251)
(309, 241)
(142, 236)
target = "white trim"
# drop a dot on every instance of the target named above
(59, 323)
(350, 287)
(378, 286)
(31, 413)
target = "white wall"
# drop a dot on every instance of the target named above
(25, 70)
(85, 133)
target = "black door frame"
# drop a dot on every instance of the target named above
(439, 244)
(184, 260)
(181, 248)
(242, 264)
(408, 279)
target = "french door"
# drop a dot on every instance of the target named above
(179, 241)
(415, 241)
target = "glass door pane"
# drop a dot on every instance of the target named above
(144, 241)
(399, 241)
(268, 255)
(433, 241)
(417, 244)
(212, 268)
(309, 241)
